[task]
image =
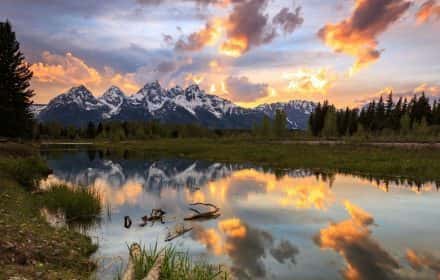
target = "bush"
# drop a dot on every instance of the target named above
(79, 205)
(26, 171)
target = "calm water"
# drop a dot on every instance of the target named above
(273, 225)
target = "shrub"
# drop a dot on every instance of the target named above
(26, 171)
(80, 205)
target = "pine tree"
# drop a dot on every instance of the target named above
(280, 123)
(91, 130)
(330, 126)
(15, 94)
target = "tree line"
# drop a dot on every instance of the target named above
(416, 116)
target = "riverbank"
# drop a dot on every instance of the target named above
(29, 247)
(419, 162)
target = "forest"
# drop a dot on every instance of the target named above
(417, 117)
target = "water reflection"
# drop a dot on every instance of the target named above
(273, 225)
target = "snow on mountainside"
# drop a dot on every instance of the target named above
(297, 111)
(113, 98)
(36, 109)
(176, 105)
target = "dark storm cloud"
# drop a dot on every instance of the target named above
(289, 20)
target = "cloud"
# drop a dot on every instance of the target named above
(240, 89)
(247, 26)
(56, 73)
(221, 3)
(246, 247)
(198, 40)
(429, 9)
(310, 80)
(357, 35)
(288, 20)
(432, 91)
(365, 257)
(285, 251)
(304, 195)
(418, 261)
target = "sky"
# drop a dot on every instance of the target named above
(248, 51)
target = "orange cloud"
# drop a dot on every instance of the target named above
(211, 239)
(310, 80)
(56, 73)
(429, 9)
(351, 238)
(234, 47)
(66, 69)
(232, 227)
(420, 261)
(356, 36)
(359, 215)
(205, 37)
(245, 27)
(306, 196)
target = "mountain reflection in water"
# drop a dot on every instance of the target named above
(274, 224)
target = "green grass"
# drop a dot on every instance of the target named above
(80, 205)
(27, 171)
(176, 266)
(420, 163)
(29, 247)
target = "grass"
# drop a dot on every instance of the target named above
(80, 205)
(421, 163)
(29, 247)
(27, 171)
(176, 266)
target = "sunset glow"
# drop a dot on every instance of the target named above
(277, 51)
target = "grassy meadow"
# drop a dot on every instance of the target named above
(416, 162)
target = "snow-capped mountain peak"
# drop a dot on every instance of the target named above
(78, 106)
(113, 98)
(79, 96)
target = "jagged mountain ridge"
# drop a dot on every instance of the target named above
(78, 106)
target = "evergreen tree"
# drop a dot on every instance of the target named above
(91, 130)
(280, 123)
(330, 124)
(15, 95)
(266, 127)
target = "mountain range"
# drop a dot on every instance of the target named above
(78, 106)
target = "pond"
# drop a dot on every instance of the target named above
(274, 224)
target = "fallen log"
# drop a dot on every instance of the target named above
(155, 215)
(212, 214)
(135, 253)
(177, 232)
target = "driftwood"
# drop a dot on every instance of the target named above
(212, 214)
(155, 215)
(127, 222)
(154, 273)
(135, 253)
(179, 231)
